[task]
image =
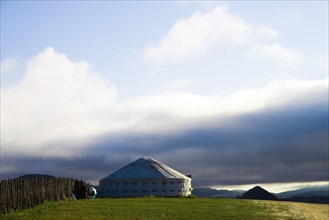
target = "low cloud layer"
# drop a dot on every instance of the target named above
(279, 145)
(64, 119)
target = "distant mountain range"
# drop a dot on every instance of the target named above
(309, 194)
(214, 193)
(306, 192)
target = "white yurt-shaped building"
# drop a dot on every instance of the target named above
(145, 177)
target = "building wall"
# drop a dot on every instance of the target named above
(146, 187)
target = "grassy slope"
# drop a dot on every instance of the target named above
(172, 208)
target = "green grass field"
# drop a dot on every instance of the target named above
(172, 208)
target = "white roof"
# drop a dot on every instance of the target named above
(146, 168)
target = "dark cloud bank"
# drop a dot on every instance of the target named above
(287, 144)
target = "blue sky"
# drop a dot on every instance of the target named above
(108, 82)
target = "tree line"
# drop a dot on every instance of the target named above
(22, 193)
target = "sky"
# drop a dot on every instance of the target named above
(233, 92)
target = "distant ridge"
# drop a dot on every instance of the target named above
(214, 193)
(306, 192)
(35, 176)
(258, 193)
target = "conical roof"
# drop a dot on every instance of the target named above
(146, 168)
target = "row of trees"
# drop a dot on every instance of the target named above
(22, 193)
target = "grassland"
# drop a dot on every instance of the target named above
(173, 208)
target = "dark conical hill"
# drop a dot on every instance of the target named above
(258, 193)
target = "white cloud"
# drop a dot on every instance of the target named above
(60, 101)
(277, 51)
(56, 99)
(193, 36)
(7, 65)
(185, 105)
(265, 32)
